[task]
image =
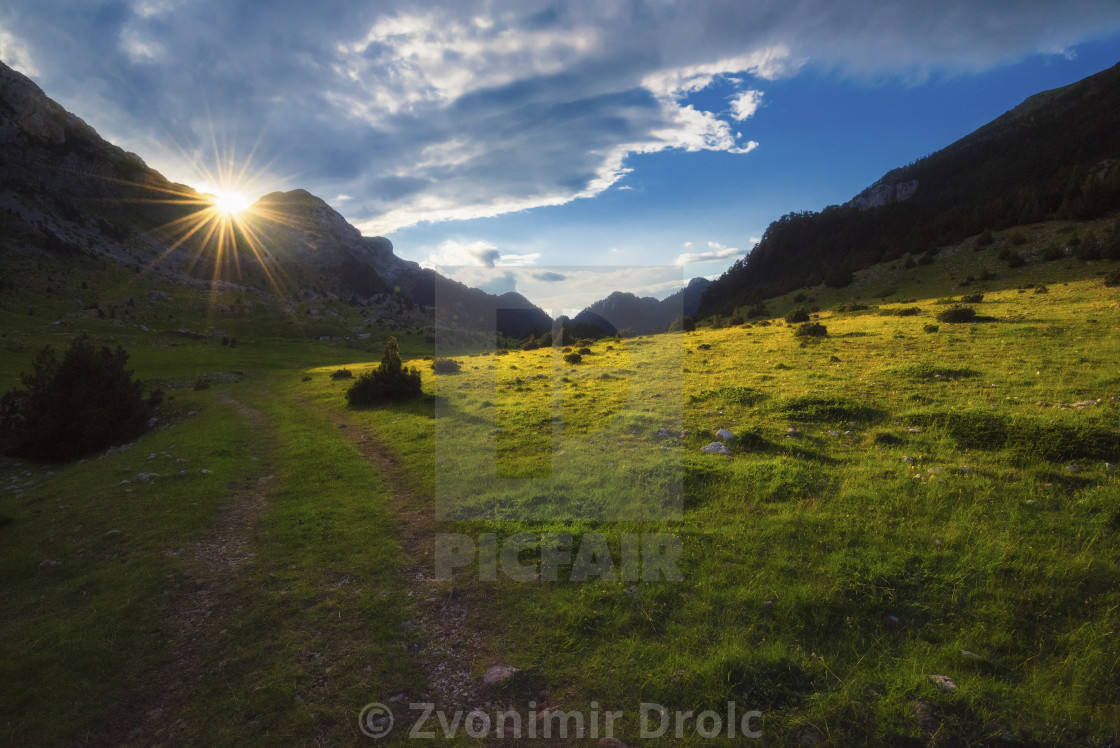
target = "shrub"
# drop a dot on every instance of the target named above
(811, 330)
(1015, 260)
(798, 297)
(342, 374)
(972, 298)
(1113, 278)
(852, 305)
(800, 314)
(446, 366)
(909, 311)
(389, 382)
(584, 351)
(1052, 253)
(957, 313)
(930, 328)
(736, 320)
(985, 239)
(909, 263)
(573, 358)
(73, 407)
(1018, 239)
(1041, 288)
(201, 384)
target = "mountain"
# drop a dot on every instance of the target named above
(644, 315)
(68, 191)
(1056, 155)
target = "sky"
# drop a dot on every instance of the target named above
(509, 142)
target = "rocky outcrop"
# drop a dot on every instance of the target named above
(887, 191)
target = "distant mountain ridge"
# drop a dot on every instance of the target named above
(644, 315)
(1056, 155)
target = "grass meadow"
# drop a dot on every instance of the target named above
(899, 503)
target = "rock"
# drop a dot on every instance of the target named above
(791, 431)
(944, 682)
(1109, 466)
(611, 743)
(632, 590)
(1073, 468)
(936, 470)
(716, 448)
(909, 460)
(969, 655)
(408, 626)
(112, 532)
(48, 563)
(664, 434)
(893, 621)
(725, 436)
(500, 673)
(206, 471)
(965, 470)
(146, 477)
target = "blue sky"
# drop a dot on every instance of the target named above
(524, 136)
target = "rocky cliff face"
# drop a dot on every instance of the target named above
(308, 230)
(892, 188)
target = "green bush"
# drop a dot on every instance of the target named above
(70, 408)
(446, 366)
(985, 239)
(910, 311)
(390, 382)
(811, 330)
(957, 314)
(342, 374)
(584, 351)
(972, 298)
(573, 358)
(1113, 278)
(1052, 252)
(800, 314)
(930, 328)
(852, 305)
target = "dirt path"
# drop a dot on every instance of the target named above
(213, 567)
(458, 637)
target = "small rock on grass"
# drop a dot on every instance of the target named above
(725, 436)
(716, 448)
(499, 673)
(944, 682)
(48, 563)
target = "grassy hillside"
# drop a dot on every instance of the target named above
(898, 504)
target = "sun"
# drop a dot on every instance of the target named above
(228, 202)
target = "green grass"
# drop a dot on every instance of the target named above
(940, 494)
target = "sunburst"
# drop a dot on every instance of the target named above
(220, 223)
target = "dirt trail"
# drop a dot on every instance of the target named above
(458, 637)
(202, 606)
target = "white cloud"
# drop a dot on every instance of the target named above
(745, 104)
(480, 253)
(139, 49)
(716, 251)
(14, 53)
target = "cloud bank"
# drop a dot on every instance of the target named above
(421, 111)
